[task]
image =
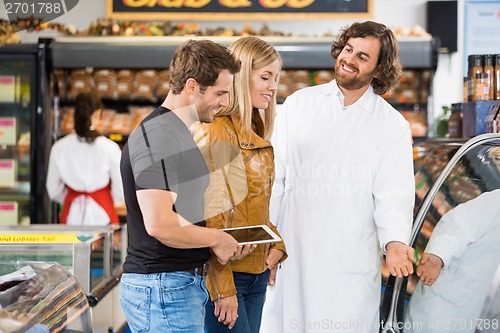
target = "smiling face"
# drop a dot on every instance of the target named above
(356, 65)
(263, 84)
(214, 97)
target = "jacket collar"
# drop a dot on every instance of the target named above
(249, 141)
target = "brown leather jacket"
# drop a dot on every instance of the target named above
(242, 172)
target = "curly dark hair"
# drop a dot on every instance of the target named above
(202, 60)
(86, 104)
(388, 71)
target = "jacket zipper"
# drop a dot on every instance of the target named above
(211, 270)
(231, 215)
(215, 283)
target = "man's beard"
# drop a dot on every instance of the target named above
(355, 83)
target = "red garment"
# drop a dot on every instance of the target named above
(102, 197)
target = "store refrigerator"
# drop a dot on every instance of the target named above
(25, 131)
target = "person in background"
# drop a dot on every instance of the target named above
(84, 169)
(164, 177)
(456, 268)
(240, 158)
(344, 191)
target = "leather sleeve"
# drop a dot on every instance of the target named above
(214, 144)
(220, 281)
(280, 245)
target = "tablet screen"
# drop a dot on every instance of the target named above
(250, 235)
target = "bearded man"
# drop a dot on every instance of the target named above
(344, 191)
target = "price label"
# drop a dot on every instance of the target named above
(116, 137)
(39, 238)
(8, 213)
(8, 173)
(7, 130)
(7, 88)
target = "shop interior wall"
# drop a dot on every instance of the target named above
(447, 84)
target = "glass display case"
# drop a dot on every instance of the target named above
(491, 308)
(456, 234)
(94, 255)
(25, 133)
(39, 297)
(430, 158)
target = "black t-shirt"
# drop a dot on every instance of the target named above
(161, 154)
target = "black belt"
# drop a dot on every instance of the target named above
(201, 270)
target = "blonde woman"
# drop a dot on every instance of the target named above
(240, 157)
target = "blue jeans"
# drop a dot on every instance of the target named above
(164, 302)
(251, 294)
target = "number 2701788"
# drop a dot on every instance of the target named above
(482, 324)
(34, 8)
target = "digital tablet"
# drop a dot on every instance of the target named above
(257, 234)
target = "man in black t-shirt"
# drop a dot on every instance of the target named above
(164, 179)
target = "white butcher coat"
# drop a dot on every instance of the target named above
(86, 168)
(467, 239)
(344, 188)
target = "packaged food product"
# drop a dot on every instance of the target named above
(455, 121)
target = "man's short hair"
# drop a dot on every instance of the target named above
(202, 60)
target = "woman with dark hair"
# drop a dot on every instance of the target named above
(84, 170)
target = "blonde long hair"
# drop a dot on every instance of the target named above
(254, 53)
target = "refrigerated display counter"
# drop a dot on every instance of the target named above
(456, 222)
(93, 255)
(25, 131)
(39, 297)
(430, 158)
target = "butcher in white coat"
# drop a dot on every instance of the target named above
(456, 269)
(344, 191)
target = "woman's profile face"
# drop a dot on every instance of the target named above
(263, 84)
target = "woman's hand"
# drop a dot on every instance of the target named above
(273, 258)
(226, 310)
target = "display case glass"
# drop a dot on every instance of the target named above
(456, 235)
(94, 255)
(38, 297)
(15, 132)
(430, 158)
(25, 105)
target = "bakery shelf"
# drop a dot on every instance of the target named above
(156, 52)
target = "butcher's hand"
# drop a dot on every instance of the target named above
(399, 259)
